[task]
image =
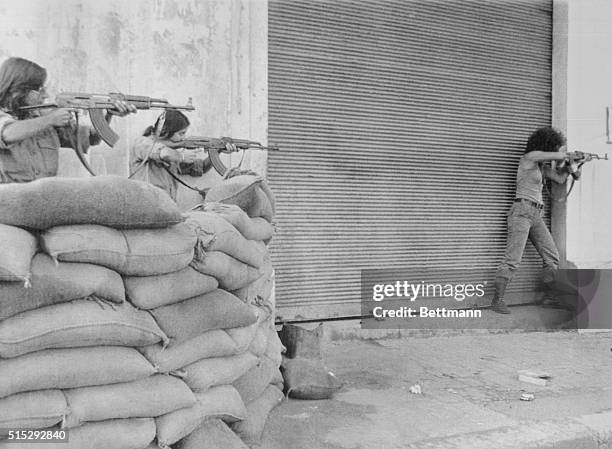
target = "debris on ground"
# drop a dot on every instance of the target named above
(534, 377)
(415, 389)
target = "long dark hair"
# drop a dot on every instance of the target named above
(545, 139)
(18, 77)
(174, 121)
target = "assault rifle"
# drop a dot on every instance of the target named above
(96, 103)
(214, 146)
(576, 159)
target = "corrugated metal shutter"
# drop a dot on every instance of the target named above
(401, 124)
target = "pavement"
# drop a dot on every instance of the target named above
(470, 391)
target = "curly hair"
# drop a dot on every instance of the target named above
(545, 139)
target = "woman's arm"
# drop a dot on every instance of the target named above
(557, 176)
(540, 156)
(22, 129)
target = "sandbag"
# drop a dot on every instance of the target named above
(77, 324)
(215, 310)
(214, 343)
(150, 397)
(246, 192)
(212, 434)
(251, 428)
(18, 249)
(302, 342)
(206, 373)
(252, 384)
(257, 228)
(231, 273)
(148, 292)
(219, 402)
(243, 336)
(32, 410)
(104, 200)
(260, 341)
(135, 433)
(135, 252)
(260, 288)
(277, 380)
(217, 234)
(71, 368)
(53, 283)
(275, 347)
(309, 379)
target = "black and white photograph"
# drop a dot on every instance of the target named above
(305, 224)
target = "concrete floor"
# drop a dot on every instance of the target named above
(470, 393)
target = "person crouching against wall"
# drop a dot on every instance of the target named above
(525, 216)
(30, 140)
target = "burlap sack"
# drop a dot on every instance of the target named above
(217, 234)
(104, 200)
(149, 292)
(18, 249)
(212, 434)
(32, 410)
(211, 372)
(260, 342)
(150, 397)
(277, 380)
(214, 343)
(219, 402)
(215, 310)
(257, 228)
(251, 428)
(135, 252)
(309, 379)
(77, 324)
(246, 192)
(260, 288)
(275, 347)
(231, 273)
(134, 433)
(72, 368)
(56, 283)
(244, 336)
(252, 384)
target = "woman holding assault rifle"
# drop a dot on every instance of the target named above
(30, 140)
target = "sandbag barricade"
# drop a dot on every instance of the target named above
(132, 325)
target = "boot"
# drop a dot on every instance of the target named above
(551, 298)
(498, 305)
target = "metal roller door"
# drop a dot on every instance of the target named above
(400, 124)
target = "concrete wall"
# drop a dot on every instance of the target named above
(589, 91)
(214, 51)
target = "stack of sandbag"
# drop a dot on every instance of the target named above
(68, 338)
(135, 320)
(241, 363)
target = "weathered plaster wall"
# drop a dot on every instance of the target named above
(214, 51)
(589, 91)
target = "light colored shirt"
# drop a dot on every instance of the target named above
(37, 156)
(529, 181)
(146, 165)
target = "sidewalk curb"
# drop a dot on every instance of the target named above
(593, 431)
